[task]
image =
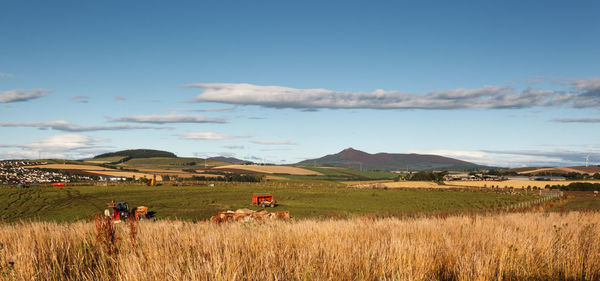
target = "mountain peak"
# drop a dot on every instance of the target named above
(352, 153)
(352, 158)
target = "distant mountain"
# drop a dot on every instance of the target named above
(356, 159)
(138, 153)
(231, 160)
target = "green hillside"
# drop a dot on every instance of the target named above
(168, 162)
(138, 153)
(356, 159)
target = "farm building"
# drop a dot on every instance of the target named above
(546, 178)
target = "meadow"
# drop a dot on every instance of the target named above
(304, 199)
(515, 246)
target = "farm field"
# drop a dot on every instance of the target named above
(351, 173)
(514, 183)
(302, 199)
(171, 163)
(579, 200)
(270, 169)
(415, 184)
(71, 167)
(560, 170)
(97, 170)
(517, 246)
(105, 160)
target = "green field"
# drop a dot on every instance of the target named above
(579, 200)
(169, 163)
(302, 199)
(344, 174)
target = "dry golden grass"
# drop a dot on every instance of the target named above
(518, 246)
(276, 178)
(71, 167)
(116, 173)
(98, 170)
(513, 183)
(367, 182)
(272, 169)
(415, 184)
(178, 173)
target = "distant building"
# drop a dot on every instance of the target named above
(547, 178)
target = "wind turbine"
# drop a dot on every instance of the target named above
(587, 159)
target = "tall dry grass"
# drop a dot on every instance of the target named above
(525, 246)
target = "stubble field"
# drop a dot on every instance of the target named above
(518, 246)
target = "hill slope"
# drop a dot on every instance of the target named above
(231, 160)
(352, 158)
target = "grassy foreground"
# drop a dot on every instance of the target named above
(530, 246)
(303, 199)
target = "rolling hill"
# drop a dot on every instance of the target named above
(138, 153)
(590, 170)
(231, 160)
(356, 159)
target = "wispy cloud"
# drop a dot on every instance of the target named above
(518, 158)
(6, 75)
(582, 93)
(208, 136)
(120, 98)
(274, 142)
(62, 125)
(173, 118)
(69, 146)
(20, 95)
(234, 146)
(215, 109)
(80, 99)
(577, 120)
(276, 149)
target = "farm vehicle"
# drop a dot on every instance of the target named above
(263, 200)
(121, 211)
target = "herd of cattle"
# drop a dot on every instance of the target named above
(245, 215)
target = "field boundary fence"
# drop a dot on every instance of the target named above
(546, 196)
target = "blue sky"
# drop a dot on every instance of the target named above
(507, 83)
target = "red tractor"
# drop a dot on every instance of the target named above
(263, 200)
(121, 211)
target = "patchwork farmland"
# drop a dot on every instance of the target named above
(335, 223)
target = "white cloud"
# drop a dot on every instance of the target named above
(64, 142)
(584, 93)
(20, 96)
(274, 142)
(173, 118)
(69, 146)
(6, 75)
(516, 158)
(120, 98)
(208, 136)
(589, 84)
(62, 125)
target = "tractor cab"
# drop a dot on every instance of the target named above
(120, 210)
